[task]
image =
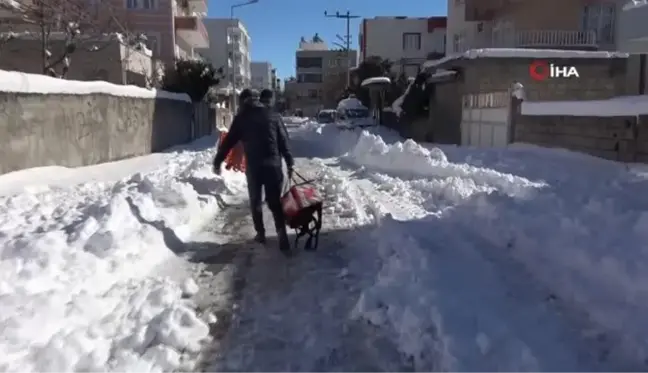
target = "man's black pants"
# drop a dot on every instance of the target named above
(269, 180)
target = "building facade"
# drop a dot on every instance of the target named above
(262, 75)
(405, 41)
(229, 48)
(552, 24)
(320, 75)
(173, 28)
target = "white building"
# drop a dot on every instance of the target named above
(229, 48)
(261, 75)
(406, 41)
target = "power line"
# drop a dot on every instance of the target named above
(347, 39)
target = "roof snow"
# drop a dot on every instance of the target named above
(376, 80)
(524, 53)
(635, 4)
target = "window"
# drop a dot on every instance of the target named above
(309, 78)
(313, 93)
(600, 19)
(457, 40)
(141, 4)
(411, 41)
(309, 62)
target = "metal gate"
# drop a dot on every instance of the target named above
(485, 119)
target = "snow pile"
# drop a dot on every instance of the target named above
(79, 270)
(292, 121)
(618, 106)
(14, 81)
(563, 226)
(409, 159)
(350, 103)
(632, 4)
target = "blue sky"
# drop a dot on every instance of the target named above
(276, 26)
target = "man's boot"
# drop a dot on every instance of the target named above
(260, 238)
(284, 243)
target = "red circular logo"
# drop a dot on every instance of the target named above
(539, 70)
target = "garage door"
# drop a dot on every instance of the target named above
(484, 119)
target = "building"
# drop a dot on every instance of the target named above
(633, 39)
(321, 75)
(262, 75)
(173, 29)
(406, 41)
(549, 24)
(229, 48)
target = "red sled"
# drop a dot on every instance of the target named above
(302, 207)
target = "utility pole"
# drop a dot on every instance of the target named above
(347, 38)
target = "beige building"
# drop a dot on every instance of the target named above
(173, 29)
(563, 24)
(320, 76)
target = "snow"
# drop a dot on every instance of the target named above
(633, 4)
(524, 53)
(18, 82)
(376, 80)
(350, 103)
(432, 258)
(81, 266)
(619, 106)
(497, 259)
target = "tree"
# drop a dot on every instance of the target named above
(64, 27)
(193, 77)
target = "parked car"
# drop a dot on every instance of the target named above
(326, 116)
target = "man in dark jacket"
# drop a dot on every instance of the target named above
(266, 99)
(265, 143)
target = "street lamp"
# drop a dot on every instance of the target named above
(229, 49)
(240, 5)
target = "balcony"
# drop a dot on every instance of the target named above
(532, 39)
(192, 30)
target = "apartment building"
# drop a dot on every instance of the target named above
(552, 24)
(229, 48)
(262, 75)
(173, 28)
(320, 75)
(406, 41)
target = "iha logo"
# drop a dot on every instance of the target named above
(543, 70)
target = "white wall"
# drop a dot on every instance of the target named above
(261, 75)
(457, 25)
(383, 37)
(633, 30)
(219, 50)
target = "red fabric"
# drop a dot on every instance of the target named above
(298, 198)
(236, 158)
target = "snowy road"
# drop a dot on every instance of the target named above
(431, 259)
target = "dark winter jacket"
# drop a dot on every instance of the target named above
(264, 139)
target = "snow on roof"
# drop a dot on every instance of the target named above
(615, 107)
(633, 4)
(14, 81)
(350, 103)
(376, 80)
(524, 53)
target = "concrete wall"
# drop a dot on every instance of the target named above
(622, 139)
(77, 130)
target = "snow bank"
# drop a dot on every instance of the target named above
(574, 225)
(295, 120)
(409, 159)
(14, 81)
(619, 106)
(80, 288)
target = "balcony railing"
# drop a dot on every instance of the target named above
(192, 29)
(532, 39)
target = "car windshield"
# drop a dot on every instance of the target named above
(357, 113)
(326, 117)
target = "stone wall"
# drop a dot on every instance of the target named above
(618, 138)
(77, 130)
